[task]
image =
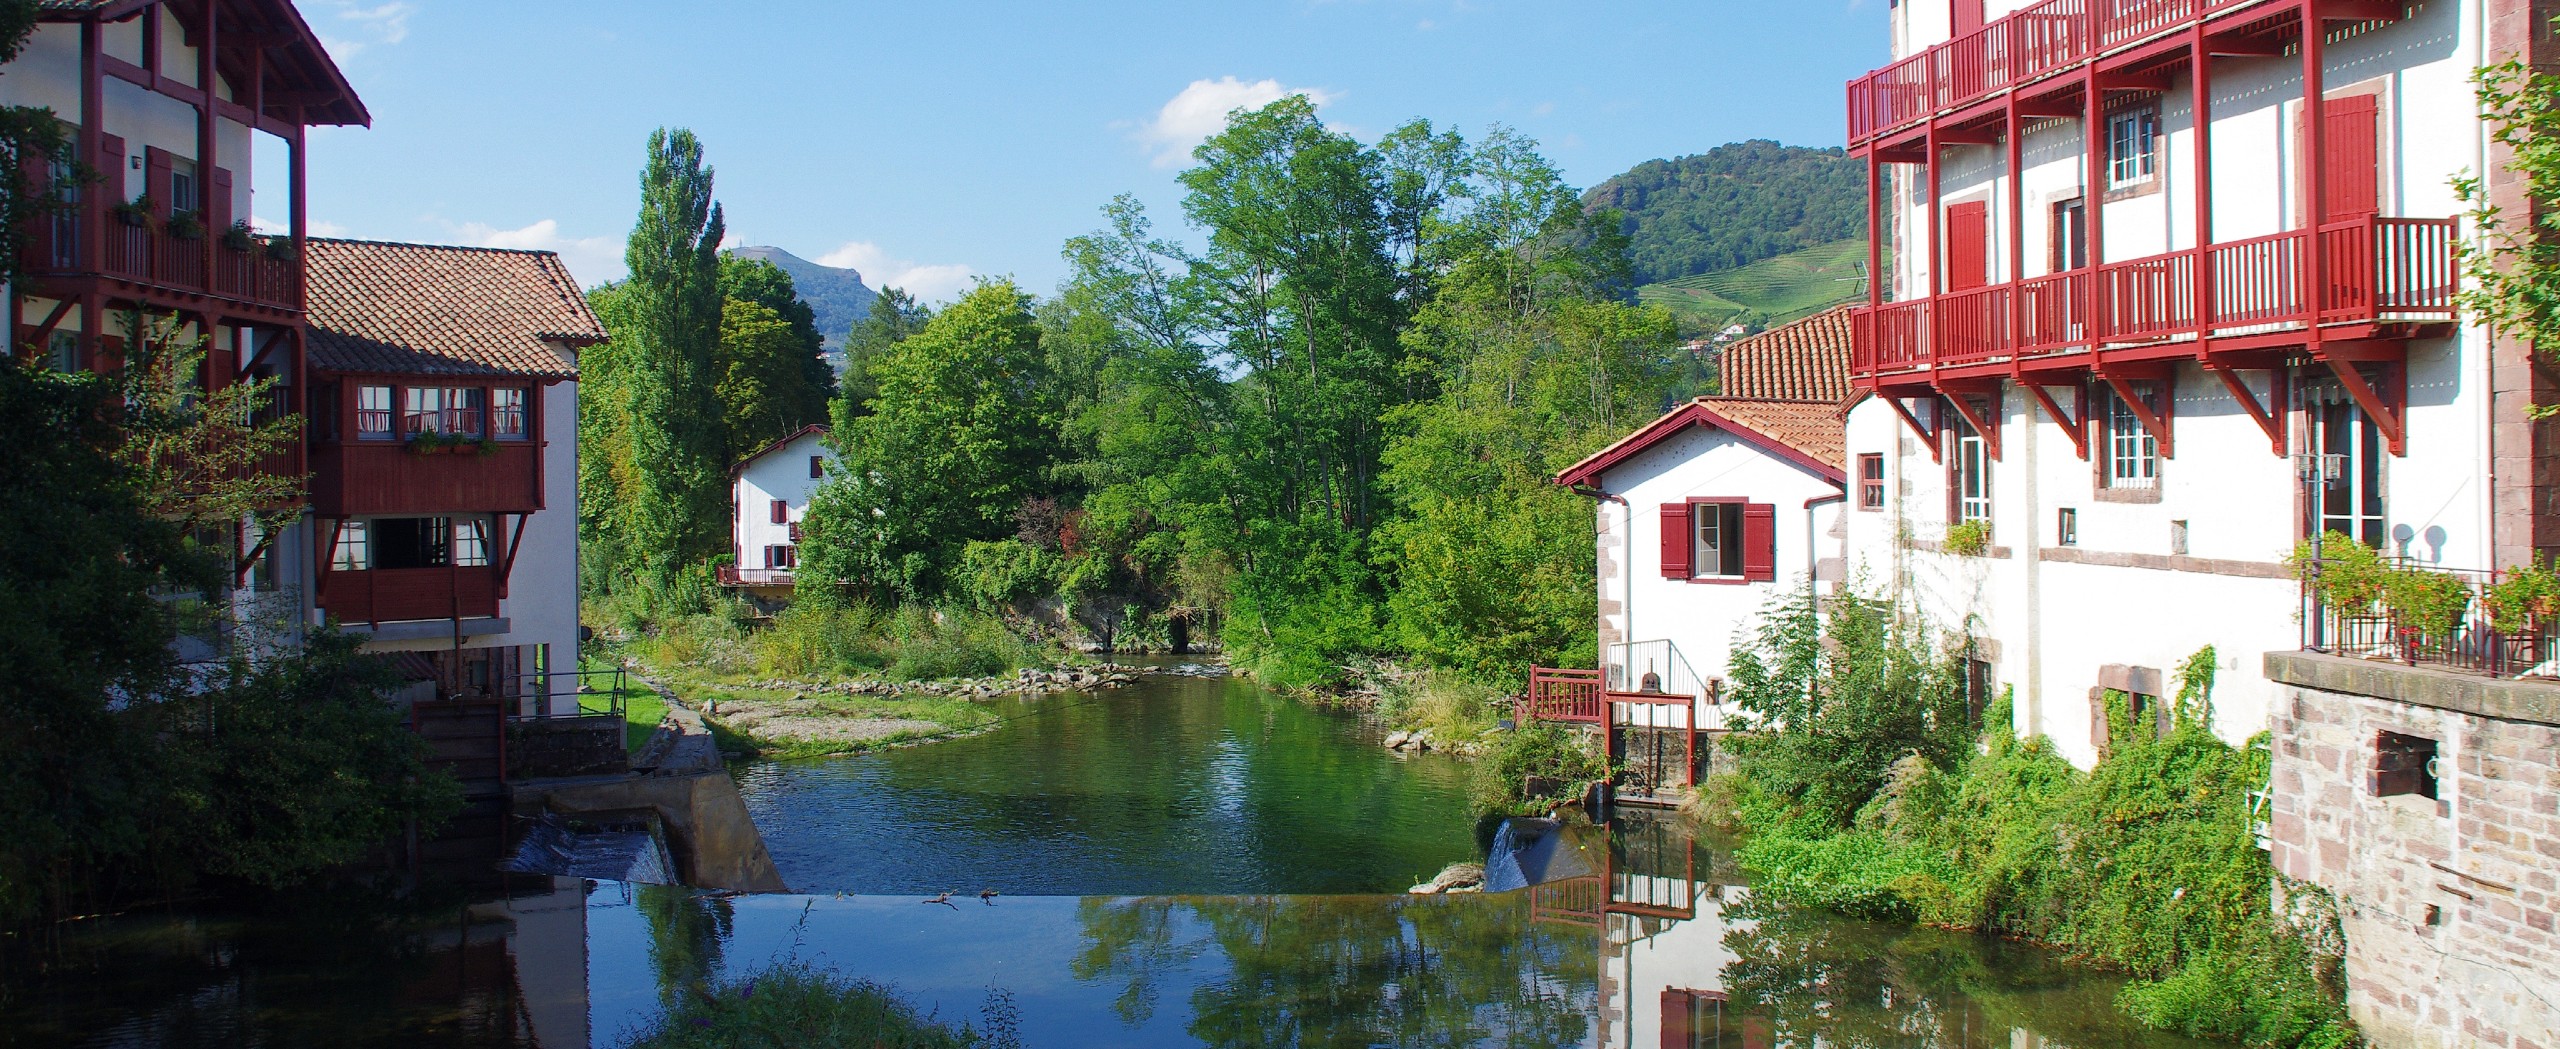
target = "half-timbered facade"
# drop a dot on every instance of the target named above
(2150, 311)
(443, 442)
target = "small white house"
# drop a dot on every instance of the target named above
(768, 497)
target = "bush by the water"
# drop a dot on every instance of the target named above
(795, 1004)
(906, 643)
(1550, 752)
(2147, 862)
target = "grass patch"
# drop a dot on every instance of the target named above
(1453, 708)
(734, 693)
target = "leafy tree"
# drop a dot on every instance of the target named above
(763, 392)
(198, 453)
(962, 432)
(604, 431)
(894, 316)
(674, 503)
(29, 135)
(2514, 265)
(761, 282)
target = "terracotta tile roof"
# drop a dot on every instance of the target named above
(422, 309)
(1811, 434)
(1816, 428)
(1807, 360)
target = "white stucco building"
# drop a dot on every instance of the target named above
(2149, 360)
(768, 498)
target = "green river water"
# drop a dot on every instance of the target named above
(1182, 863)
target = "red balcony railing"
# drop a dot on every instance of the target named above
(2024, 46)
(731, 575)
(1563, 695)
(394, 595)
(147, 254)
(2374, 270)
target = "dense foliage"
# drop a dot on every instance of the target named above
(1734, 205)
(2147, 862)
(141, 750)
(2512, 268)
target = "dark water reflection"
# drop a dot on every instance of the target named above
(1173, 785)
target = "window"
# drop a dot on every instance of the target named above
(2133, 452)
(353, 552)
(2403, 765)
(507, 413)
(2351, 495)
(183, 195)
(2070, 235)
(2133, 143)
(470, 542)
(2066, 527)
(781, 512)
(782, 557)
(817, 467)
(373, 413)
(1969, 475)
(1719, 546)
(453, 411)
(63, 178)
(412, 542)
(62, 351)
(1871, 481)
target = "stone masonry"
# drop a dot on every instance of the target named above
(2448, 902)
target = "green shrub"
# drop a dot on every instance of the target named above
(1969, 538)
(793, 1003)
(2523, 597)
(1546, 751)
(1004, 574)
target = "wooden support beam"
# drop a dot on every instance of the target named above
(1970, 136)
(248, 561)
(2265, 415)
(2156, 422)
(53, 319)
(507, 565)
(1928, 435)
(2387, 417)
(2048, 108)
(2131, 81)
(2076, 428)
(1961, 399)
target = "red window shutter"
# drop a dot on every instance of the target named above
(1676, 1032)
(781, 512)
(1759, 542)
(156, 167)
(2352, 171)
(1968, 245)
(111, 165)
(217, 201)
(1678, 539)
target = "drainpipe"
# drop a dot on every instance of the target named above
(1812, 557)
(1627, 563)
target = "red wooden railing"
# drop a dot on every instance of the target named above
(2375, 269)
(2024, 46)
(147, 255)
(1563, 695)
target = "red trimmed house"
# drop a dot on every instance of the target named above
(1701, 517)
(768, 498)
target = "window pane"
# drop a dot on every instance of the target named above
(462, 411)
(373, 411)
(470, 542)
(353, 554)
(425, 410)
(506, 414)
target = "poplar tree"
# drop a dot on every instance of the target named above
(675, 510)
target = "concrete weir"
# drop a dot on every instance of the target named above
(679, 778)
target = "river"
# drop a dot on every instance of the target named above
(1183, 863)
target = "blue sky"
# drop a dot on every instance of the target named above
(925, 143)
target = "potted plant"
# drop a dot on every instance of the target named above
(2425, 603)
(280, 249)
(185, 225)
(135, 212)
(2347, 575)
(1969, 538)
(240, 238)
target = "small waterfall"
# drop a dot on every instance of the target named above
(1530, 851)
(628, 849)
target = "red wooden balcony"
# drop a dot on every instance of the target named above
(2375, 270)
(397, 595)
(358, 478)
(148, 255)
(2028, 45)
(1573, 696)
(732, 575)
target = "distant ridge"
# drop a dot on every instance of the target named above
(835, 294)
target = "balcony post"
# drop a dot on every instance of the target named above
(93, 202)
(2016, 319)
(2093, 206)
(2200, 82)
(1937, 283)
(207, 147)
(2311, 169)
(1876, 231)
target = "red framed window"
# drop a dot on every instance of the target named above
(784, 557)
(817, 466)
(508, 419)
(781, 512)
(1719, 540)
(1871, 481)
(373, 413)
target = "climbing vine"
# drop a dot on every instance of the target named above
(2513, 267)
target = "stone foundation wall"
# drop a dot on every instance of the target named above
(585, 746)
(2448, 902)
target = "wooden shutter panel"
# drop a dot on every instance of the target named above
(1678, 539)
(155, 169)
(2351, 165)
(1968, 245)
(1759, 542)
(110, 161)
(1676, 1032)
(781, 511)
(217, 202)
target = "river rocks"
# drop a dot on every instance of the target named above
(1398, 740)
(1455, 878)
(1029, 680)
(1203, 670)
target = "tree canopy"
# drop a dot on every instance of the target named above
(1734, 205)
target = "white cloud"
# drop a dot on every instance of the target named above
(312, 227)
(1201, 109)
(592, 260)
(930, 282)
(350, 27)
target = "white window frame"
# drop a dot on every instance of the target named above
(1972, 475)
(388, 408)
(2368, 508)
(508, 403)
(2133, 452)
(2133, 148)
(353, 548)
(1715, 529)
(469, 543)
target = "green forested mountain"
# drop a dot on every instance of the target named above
(1732, 206)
